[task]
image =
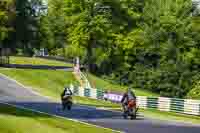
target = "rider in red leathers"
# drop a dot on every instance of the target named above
(127, 99)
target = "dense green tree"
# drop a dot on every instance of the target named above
(165, 57)
(90, 26)
(6, 16)
(54, 25)
(27, 24)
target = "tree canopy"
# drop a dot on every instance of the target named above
(147, 44)
(6, 16)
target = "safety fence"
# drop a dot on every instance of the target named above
(87, 92)
(185, 106)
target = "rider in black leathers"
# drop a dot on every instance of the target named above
(66, 93)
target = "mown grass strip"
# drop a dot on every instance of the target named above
(15, 120)
(37, 61)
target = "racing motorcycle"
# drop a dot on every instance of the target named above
(66, 102)
(130, 110)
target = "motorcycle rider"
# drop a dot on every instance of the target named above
(66, 93)
(127, 96)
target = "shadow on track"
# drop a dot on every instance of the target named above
(12, 111)
(77, 112)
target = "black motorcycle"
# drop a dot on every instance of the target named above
(67, 102)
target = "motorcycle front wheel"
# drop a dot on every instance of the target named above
(69, 106)
(133, 114)
(125, 115)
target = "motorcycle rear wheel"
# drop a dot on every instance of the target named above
(69, 107)
(133, 117)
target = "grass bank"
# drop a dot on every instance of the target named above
(37, 61)
(14, 120)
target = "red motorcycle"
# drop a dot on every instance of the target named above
(130, 110)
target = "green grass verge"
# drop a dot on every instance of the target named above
(106, 85)
(172, 116)
(47, 82)
(99, 83)
(37, 61)
(14, 120)
(50, 83)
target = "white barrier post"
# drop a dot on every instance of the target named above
(164, 104)
(142, 101)
(81, 92)
(93, 93)
(191, 107)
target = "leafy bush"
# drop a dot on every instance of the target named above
(195, 91)
(19, 52)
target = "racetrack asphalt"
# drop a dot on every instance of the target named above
(15, 94)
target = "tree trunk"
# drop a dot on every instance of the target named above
(89, 58)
